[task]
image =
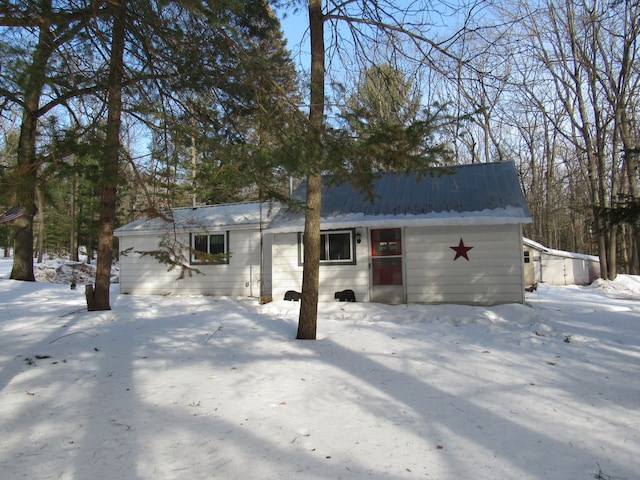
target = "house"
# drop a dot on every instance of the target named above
(224, 243)
(558, 267)
(452, 236)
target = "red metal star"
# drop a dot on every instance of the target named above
(461, 251)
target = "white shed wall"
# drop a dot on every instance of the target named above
(241, 277)
(493, 274)
(558, 270)
(557, 267)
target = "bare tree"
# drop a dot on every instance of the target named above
(370, 33)
(617, 49)
(585, 50)
(481, 87)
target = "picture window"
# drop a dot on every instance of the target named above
(336, 247)
(210, 249)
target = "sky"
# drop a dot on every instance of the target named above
(295, 27)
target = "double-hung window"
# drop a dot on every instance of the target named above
(210, 249)
(336, 247)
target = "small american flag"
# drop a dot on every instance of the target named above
(11, 214)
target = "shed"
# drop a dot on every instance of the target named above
(558, 267)
(224, 243)
(451, 236)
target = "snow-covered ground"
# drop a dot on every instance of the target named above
(203, 387)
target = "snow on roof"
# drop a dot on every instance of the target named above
(247, 214)
(558, 253)
(487, 193)
(486, 217)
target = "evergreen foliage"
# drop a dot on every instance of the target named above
(219, 141)
(211, 82)
(384, 128)
(626, 210)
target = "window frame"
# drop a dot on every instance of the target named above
(327, 234)
(387, 258)
(387, 247)
(192, 249)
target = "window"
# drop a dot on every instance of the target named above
(386, 242)
(210, 249)
(386, 253)
(336, 247)
(527, 257)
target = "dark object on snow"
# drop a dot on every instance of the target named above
(532, 288)
(292, 296)
(345, 296)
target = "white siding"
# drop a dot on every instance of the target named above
(557, 270)
(557, 267)
(146, 275)
(493, 274)
(287, 273)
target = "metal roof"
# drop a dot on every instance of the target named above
(477, 193)
(207, 216)
(463, 194)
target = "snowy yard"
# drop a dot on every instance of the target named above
(202, 387)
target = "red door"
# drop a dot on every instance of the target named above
(386, 266)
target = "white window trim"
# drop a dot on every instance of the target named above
(352, 248)
(192, 239)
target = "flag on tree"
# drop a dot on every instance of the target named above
(11, 214)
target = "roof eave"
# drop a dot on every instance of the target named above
(187, 229)
(397, 222)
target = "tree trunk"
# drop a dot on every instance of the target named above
(307, 322)
(600, 227)
(27, 171)
(631, 161)
(40, 201)
(98, 298)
